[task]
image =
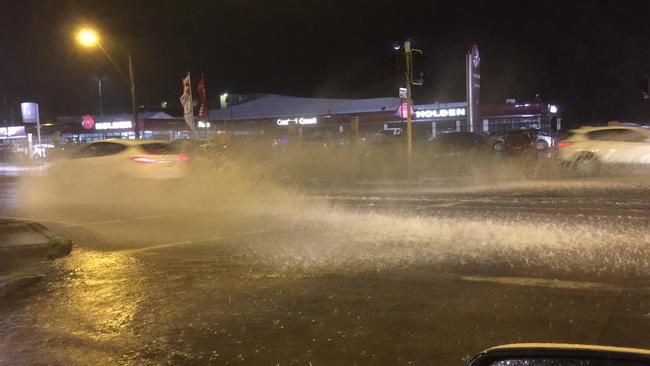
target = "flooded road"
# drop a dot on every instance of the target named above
(353, 277)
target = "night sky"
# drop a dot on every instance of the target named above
(585, 56)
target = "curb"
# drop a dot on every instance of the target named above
(57, 247)
(30, 255)
(52, 247)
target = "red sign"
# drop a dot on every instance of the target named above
(88, 122)
(403, 110)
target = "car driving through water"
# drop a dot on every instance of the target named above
(122, 159)
(588, 149)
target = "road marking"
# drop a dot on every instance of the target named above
(38, 219)
(543, 282)
(202, 240)
(163, 246)
(153, 216)
(91, 223)
(116, 221)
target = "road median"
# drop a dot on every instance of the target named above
(26, 249)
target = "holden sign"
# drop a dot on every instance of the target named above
(438, 113)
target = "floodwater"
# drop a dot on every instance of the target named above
(232, 267)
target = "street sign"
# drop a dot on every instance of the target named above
(29, 112)
(402, 93)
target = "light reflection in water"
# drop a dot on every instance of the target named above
(100, 296)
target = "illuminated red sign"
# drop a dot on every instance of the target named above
(403, 110)
(88, 122)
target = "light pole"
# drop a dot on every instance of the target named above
(100, 94)
(88, 38)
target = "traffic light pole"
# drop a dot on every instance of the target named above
(134, 105)
(409, 105)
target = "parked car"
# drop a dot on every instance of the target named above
(544, 140)
(588, 148)
(118, 159)
(514, 142)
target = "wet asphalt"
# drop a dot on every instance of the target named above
(343, 277)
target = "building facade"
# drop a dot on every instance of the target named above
(274, 113)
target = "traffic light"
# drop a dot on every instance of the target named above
(417, 67)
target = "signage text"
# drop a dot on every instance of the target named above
(298, 121)
(115, 125)
(446, 112)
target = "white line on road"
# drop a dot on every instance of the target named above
(153, 216)
(166, 245)
(202, 240)
(543, 282)
(102, 222)
(91, 223)
(38, 219)
(128, 219)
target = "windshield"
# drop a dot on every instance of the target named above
(204, 182)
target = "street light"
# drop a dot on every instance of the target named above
(89, 38)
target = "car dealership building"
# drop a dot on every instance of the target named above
(273, 114)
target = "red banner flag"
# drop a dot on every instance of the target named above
(203, 108)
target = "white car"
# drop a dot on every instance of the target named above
(121, 159)
(588, 148)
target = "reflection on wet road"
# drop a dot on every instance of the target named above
(357, 284)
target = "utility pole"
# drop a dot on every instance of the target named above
(409, 103)
(134, 105)
(101, 97)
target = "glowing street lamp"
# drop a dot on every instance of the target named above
(87, 37)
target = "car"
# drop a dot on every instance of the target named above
(544, 139)
(588, 148)
(514, 142)
(117, 159)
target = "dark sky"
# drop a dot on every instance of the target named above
(586, 56)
